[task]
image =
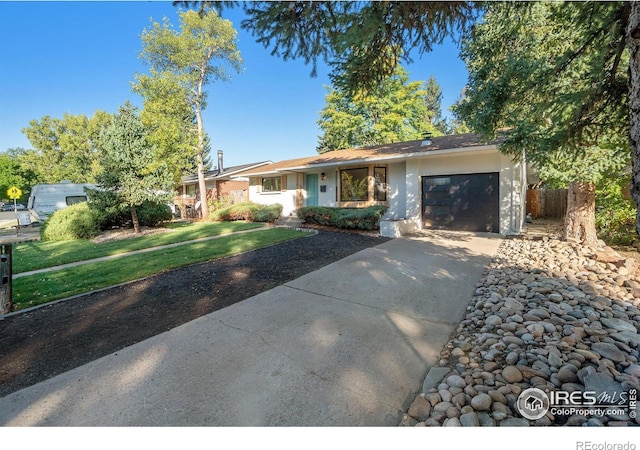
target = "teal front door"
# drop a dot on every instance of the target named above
(312, 189)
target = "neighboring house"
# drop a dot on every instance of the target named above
(449, 182)
(218, 182)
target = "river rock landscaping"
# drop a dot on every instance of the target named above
(547, 314)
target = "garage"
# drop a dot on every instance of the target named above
(462, 202)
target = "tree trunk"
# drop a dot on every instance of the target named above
(202, 187)
(204, 207)
(580, 220)
(633, 42)
(134, 219)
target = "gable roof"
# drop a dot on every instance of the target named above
(226, 173)
(387, 152)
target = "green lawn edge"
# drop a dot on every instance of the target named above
(46, 287)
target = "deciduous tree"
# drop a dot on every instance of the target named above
(397, 110)
(14, 173)
(66, 149)
(169, 117)
(203, 50)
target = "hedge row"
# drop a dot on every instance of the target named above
(252, 212)
(348, 218)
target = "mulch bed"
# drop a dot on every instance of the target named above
(47, 341)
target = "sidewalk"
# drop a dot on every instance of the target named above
(346, 345)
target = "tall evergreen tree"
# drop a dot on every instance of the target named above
(564, 107)
(132, 170)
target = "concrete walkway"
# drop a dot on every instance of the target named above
(346, 345)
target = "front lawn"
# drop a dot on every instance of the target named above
(39, 255)
(45, 287)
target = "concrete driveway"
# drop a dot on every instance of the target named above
(346, 345)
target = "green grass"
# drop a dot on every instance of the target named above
(39, 255)
(46, 287)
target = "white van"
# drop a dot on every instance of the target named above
(45, 199)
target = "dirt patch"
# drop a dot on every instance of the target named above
(47, 341)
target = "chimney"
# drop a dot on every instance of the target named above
(220, 167)
(426, 140)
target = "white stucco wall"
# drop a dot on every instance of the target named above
(327, 198)
(397, 191)
(512, 195)
(286, 198)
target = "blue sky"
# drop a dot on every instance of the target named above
(78, 57)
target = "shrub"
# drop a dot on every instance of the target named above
(249, 211)
(347, 218)
(319, 215)
(111, 212)
(151, 214)
(74, 222)
(616, 225)
(239, 211)
(267, 213)
(615, 212)
(360, 219)
(224, 201)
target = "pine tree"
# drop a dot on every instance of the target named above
(131, 167)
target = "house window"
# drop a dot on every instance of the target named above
(191, 190)
(435, 181)
(380, 189)
(354, 184)
(271, 184)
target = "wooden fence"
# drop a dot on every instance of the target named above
(547, 203)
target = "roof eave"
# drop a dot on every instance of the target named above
(387, 158)
(228, 174)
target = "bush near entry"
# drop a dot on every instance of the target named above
(347, 218)
(252, 212)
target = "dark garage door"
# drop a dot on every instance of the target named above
(462, 202)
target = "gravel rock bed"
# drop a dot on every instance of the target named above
(547, 314)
